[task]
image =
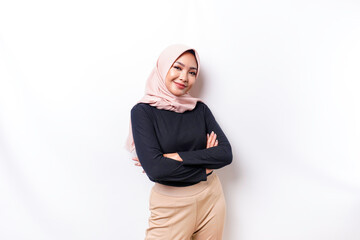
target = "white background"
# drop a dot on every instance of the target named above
(281, 77)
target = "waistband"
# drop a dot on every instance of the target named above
(185, 191)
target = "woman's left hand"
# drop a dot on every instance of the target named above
(174, 156)
(211, 142)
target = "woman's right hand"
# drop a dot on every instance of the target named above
(211, 142)
(137, 162)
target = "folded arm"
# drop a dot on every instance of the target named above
(158, 167)
(214, 157)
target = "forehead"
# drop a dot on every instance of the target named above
(187, 58)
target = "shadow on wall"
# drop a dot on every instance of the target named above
(231, 178)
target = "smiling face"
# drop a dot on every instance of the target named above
(182, 74)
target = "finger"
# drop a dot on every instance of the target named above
(210, 139)
(213, 140)
(216, 143)
(211, 136)
(135, 159)
(207, 140)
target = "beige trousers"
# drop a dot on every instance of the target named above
(195, 212)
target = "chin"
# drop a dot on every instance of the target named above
(177, 92)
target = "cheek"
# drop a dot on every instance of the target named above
(191, 82)
(172, 74)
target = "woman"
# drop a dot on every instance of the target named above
(178, 143)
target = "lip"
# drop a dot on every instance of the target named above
(179, 85)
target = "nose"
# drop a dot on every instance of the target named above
(184, 76)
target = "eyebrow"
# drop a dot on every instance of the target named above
(184, 65)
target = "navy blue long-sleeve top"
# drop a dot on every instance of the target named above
(158, 131)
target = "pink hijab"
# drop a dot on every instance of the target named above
(156, 92)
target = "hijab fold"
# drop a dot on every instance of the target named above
(156, 92)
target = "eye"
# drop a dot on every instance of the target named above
(177, 67)
(193, 73)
